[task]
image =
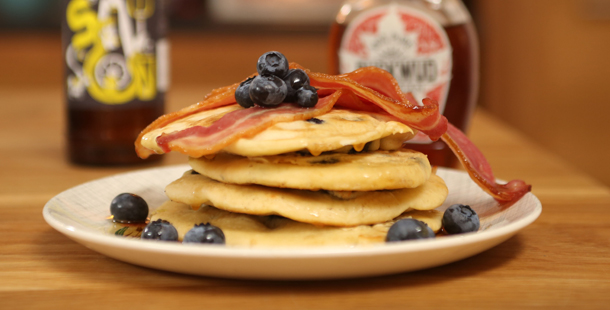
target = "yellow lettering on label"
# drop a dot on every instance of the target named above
(141, 67)
(83, 21)
(144, 76)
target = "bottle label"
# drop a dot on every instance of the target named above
(111, 51)
(406, 42)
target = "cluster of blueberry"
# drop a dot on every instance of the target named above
(457, 219)
(200, 233)
(131, 208)
(275, 84)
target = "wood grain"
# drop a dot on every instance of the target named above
(544, 69)
(562, 261)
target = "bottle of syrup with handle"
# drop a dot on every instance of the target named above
(429, 46)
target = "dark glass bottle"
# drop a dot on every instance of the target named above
(116, 76)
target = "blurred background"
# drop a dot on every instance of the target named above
(545, 66)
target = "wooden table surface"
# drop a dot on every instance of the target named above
(561, 261)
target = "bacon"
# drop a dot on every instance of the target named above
(198, 141)
(217, 98)
(379, 88)
(479, 169)
(367, 89)
(384, 97)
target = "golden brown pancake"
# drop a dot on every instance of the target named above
(335, 130)
(331, 131)
(274, 231)
(313, 207)
(367, 171)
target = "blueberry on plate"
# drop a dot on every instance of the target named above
(160, 230)
(459, 219)
(307, 96)
(409, 229)
(128, 208)
(204, 233)
(242, 93)
(268, 91)
(272, 63)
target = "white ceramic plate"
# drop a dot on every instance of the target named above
(81, 213)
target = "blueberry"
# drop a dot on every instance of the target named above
(204, 233)
(295, 79)
(459, 219)
(160, 230)
(268, 91)
(242, 93)
(272, 63)
(409, 229)
(128, 208)
(307, 96)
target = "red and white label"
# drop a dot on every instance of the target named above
(409, 44)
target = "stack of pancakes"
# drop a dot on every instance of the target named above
(342, 178)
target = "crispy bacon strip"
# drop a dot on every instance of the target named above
(384, 97)
(198, 141)
(479, 169)
(367, 89)
(378, 87)
(217, 98)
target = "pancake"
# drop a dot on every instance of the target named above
(331, 131)
(336, 130)
(367, 171)
(274, 231)
(313, 207)
(330, 171)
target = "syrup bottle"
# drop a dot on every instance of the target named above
(115, 58)
(429, 46)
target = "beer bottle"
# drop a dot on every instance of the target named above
(116, 62)
(429, 46)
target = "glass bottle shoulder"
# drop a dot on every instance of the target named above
(446, 12)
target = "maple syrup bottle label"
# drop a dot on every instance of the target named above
(406, 42)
